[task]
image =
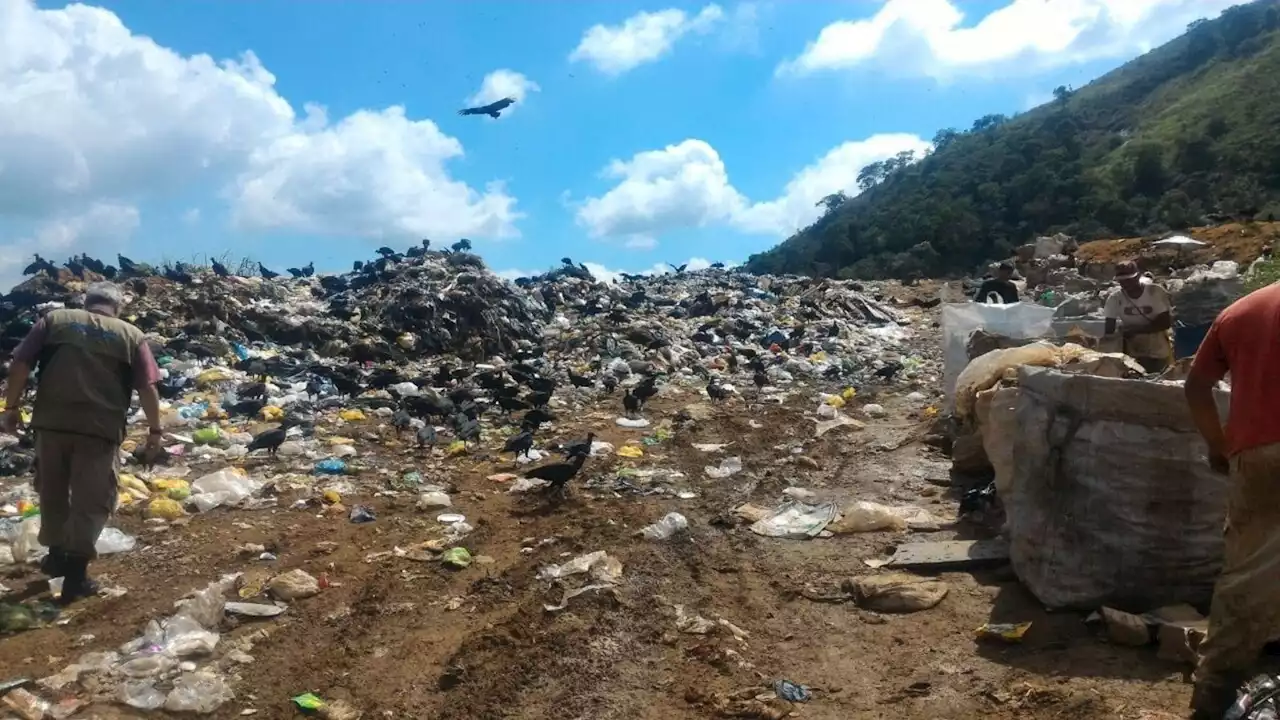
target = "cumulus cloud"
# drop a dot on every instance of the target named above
(501, 84)
(91, 113)
(687, 186)
(930, 37)
(642, 38)
(374, 174)
(836, 171)
(680, 186)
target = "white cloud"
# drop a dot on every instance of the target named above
(681, 186)
(501, 84)
(92, 113)
(374, 174)
(100, 226)
(687, 186)
(642, 38)
(835, 171)
(928, 36)
(604, 274)
(514, 274)
(191, 216)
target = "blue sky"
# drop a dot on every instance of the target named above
(644, 132)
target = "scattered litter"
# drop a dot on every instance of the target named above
(896, 592)
(1007, 632)
(796, 520)
(665, 528)
(728, 468)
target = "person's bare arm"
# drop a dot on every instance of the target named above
(149, 398)
(16, 385)
(1209, 367)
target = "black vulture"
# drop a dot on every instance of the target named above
(493, 109)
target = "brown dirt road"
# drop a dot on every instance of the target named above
(405, 639)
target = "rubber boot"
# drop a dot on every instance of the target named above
(77, 584)
(55, 563)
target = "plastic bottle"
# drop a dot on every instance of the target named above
(669, 525)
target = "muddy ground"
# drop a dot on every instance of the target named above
(405, 639)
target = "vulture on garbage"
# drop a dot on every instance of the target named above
(219, 269)
(127, 266)
(40, 264)
(463, 245)
(493, 109)
(267, 274)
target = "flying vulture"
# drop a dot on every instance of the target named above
(493, 109)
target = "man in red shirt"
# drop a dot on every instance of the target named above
(1245, 342)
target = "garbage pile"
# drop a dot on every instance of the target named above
(387, 310)
(283, 393)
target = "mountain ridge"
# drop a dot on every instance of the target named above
(1184, 134)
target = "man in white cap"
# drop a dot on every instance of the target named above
(1143, 314)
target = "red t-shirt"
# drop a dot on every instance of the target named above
(1245, 341)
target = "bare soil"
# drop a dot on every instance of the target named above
(404, 639)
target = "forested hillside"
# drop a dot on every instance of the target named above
(1184, 134)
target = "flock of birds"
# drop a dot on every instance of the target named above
(460, 400)
(184, 273)
(457, 398)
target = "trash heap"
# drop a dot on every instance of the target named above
(275, 394)
(386, 311)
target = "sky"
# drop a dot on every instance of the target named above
(643, 131)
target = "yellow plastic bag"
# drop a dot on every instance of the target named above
(174, 488)
(457, 447)
(630, 451)
(164, 508)
(212, 376)
(352, 415)
(835, 401)
(130, 485)
(849, 394)
(271, 413)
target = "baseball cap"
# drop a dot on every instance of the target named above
(1127, 270)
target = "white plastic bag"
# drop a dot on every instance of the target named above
(960, 320)
(224, 487)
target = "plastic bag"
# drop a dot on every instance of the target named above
(26, 546)
(206, 435)
(224, 487)
(668, 526)
(198, 692)
(959, 320)
(795, 520)
(114, 540)
(330, 466)
(728, 468)
(866, 516)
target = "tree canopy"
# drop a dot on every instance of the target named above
(1184, 134)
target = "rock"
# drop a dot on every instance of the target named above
(294, 585)
(896, 592)
(1126, 629)
(874, 411)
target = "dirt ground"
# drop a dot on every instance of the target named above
(404, 639)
